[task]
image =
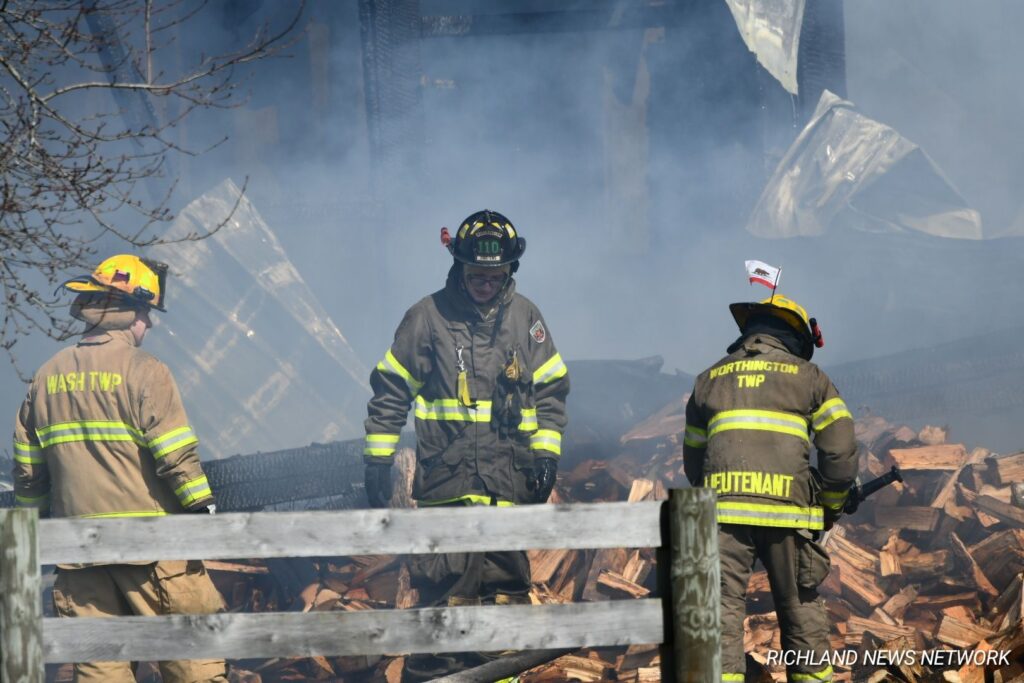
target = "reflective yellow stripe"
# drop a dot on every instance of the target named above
(830, 411)
(695, 437)
(468, 499)
(87, 430)
(551, 370)
(756, 514)
(32, 501)
(193, 490)
(172, 441)
(823, 675)
(381, 445)
(28, 454)
(759, 420)
(732, 677)
(130, 513)
(452, 409)
(546, 440)
(391, 364)
(529, 423)
(834, 500)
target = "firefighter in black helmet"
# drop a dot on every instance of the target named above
(476, 363)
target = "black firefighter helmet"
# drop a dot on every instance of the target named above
(487, 239)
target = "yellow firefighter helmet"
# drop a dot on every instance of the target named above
(784, 308)
(135, 279)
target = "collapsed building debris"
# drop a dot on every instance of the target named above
(845, 170)
(260, 364)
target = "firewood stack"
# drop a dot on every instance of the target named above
(931, 564)
(934, 563)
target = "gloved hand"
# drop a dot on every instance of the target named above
(205, 510)
(831, 517)
(544, 471)
(378, 484)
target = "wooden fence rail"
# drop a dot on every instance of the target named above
(685, 620)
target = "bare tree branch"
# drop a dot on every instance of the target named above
(74, 170)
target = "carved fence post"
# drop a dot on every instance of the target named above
(695, 589)
(21, 604)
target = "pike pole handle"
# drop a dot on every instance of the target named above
(859, 493)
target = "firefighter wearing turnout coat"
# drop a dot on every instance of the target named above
(750, 422)
(476, 363)
(102, 433)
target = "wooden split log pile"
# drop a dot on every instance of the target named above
(932, 564)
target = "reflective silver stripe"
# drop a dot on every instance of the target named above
(451, 409)
(172, 441)
(552, 369)
(546, 440)
(131, 513)
(695, 436)
(834, 500)
(28, 454)
(759, 420)
(194, 490)
(790, 516)
(469, 499)
(381, 445)
(832, 410)
(823, 676)
(529, 421)
(86, 431)
(391, 364)
(42, 501)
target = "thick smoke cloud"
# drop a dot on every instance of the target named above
(536, 126)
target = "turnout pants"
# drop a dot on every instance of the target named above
(796, 565)
(471, 578)
(457, 579)
(159, 588)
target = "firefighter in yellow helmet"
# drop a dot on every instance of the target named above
(102, 433)
(750, 424)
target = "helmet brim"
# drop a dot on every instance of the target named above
(85, 284)
(741, 313)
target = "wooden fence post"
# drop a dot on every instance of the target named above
(695, 587)
(21, 603)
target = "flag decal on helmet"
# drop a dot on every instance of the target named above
(538, 332)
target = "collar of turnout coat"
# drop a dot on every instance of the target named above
(759, 342)
(101, 318)
(105, 336)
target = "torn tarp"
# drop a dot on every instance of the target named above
(846, 170)
(260, 365)
(771, 30)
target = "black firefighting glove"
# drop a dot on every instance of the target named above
(544, 471)
(831, 517)
(378, 484)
